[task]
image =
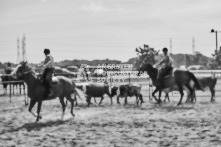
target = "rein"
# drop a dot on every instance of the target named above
(28, 72)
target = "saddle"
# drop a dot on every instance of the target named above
(169, 73)
(54, 79)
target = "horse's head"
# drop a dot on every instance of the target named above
(20, 70)
(145, 68)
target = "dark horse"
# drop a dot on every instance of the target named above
(62, 87)
(180, 79)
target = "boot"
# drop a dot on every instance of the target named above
(51, 93)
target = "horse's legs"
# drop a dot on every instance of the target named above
(180, 88)
(167, 97)
(66, 103)
(159, 99)
(153, 94)
(194, 96)
(39, 110)
(141, 99)
(32, 104)
(101, 100)
(72, 104)
(75, 99)
(189, 97)
(191, 93)
(63, 105)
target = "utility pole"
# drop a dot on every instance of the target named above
(18, 51)
(171, 46)
(24, 57)
(193, 46)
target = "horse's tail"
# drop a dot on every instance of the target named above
(77, 92)
(197, 83)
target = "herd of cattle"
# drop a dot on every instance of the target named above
(93, 90)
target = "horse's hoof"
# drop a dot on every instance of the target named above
(178, 104)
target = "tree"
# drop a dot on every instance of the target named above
(197, 57)
(145, 55)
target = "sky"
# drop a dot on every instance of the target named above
(100, 29)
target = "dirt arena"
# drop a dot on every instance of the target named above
(196, 125)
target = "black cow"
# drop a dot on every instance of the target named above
(97, 90)
(206, 82)
(128, 90)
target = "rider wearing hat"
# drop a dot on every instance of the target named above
(48, 66)
(165, 65)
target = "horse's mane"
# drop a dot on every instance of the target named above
(27, 66)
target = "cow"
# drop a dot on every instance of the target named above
(128, 90)
(206, 82)
(97, 90)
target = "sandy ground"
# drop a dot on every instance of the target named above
(113, 126)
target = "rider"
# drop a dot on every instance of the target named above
(48, 66)
(165, 65)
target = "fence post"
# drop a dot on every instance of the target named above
(149, 92)
(10, 93)
(26, 98)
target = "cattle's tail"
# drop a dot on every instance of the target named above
(197, 83)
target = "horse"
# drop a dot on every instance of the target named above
(180, 79)
(62, 87)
